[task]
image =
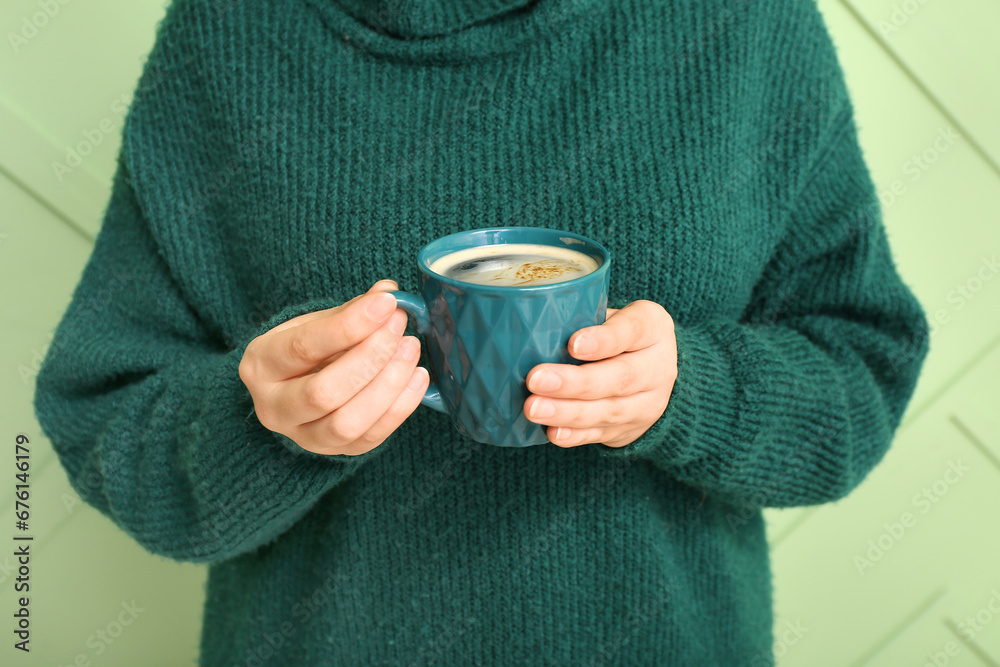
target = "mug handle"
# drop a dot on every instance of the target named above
(416, 308)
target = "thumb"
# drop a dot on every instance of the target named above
(384, 285)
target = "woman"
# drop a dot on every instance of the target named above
(248, 398)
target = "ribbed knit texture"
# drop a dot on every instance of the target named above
(283, 155)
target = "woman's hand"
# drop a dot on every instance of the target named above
(340, 380)
(617, 397)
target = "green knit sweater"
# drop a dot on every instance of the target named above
(280, 156)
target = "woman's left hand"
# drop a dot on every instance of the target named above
(617, 397)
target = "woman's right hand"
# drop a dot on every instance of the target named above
(340, 380)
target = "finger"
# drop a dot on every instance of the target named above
(380, 286)
(406, 403)
(571, 437)
(574, 437)
(314, 395)
(622, 439)
(357, 416)
(326, 362)
(292, 352)
(638, 325)
(383, 285)
(617, 411)
(623, 375)
(307, 317)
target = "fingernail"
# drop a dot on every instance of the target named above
(380, 306)
(411, 348)
(545, 381)
(559, 434)
(417, 379)
(397, 323)
(583, 345)
(541, 409)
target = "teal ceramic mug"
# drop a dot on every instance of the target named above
(482, 340)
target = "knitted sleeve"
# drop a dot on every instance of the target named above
(796, 400)
(148, 414)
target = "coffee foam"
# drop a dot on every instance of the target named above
(516, 265)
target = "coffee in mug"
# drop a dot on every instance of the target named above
(482, 339)
(515, 265)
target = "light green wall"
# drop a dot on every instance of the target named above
(58, 89)
(918, 71)
(925, 79)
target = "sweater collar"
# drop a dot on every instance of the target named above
(418, 19)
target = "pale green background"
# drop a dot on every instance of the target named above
(915, 69)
